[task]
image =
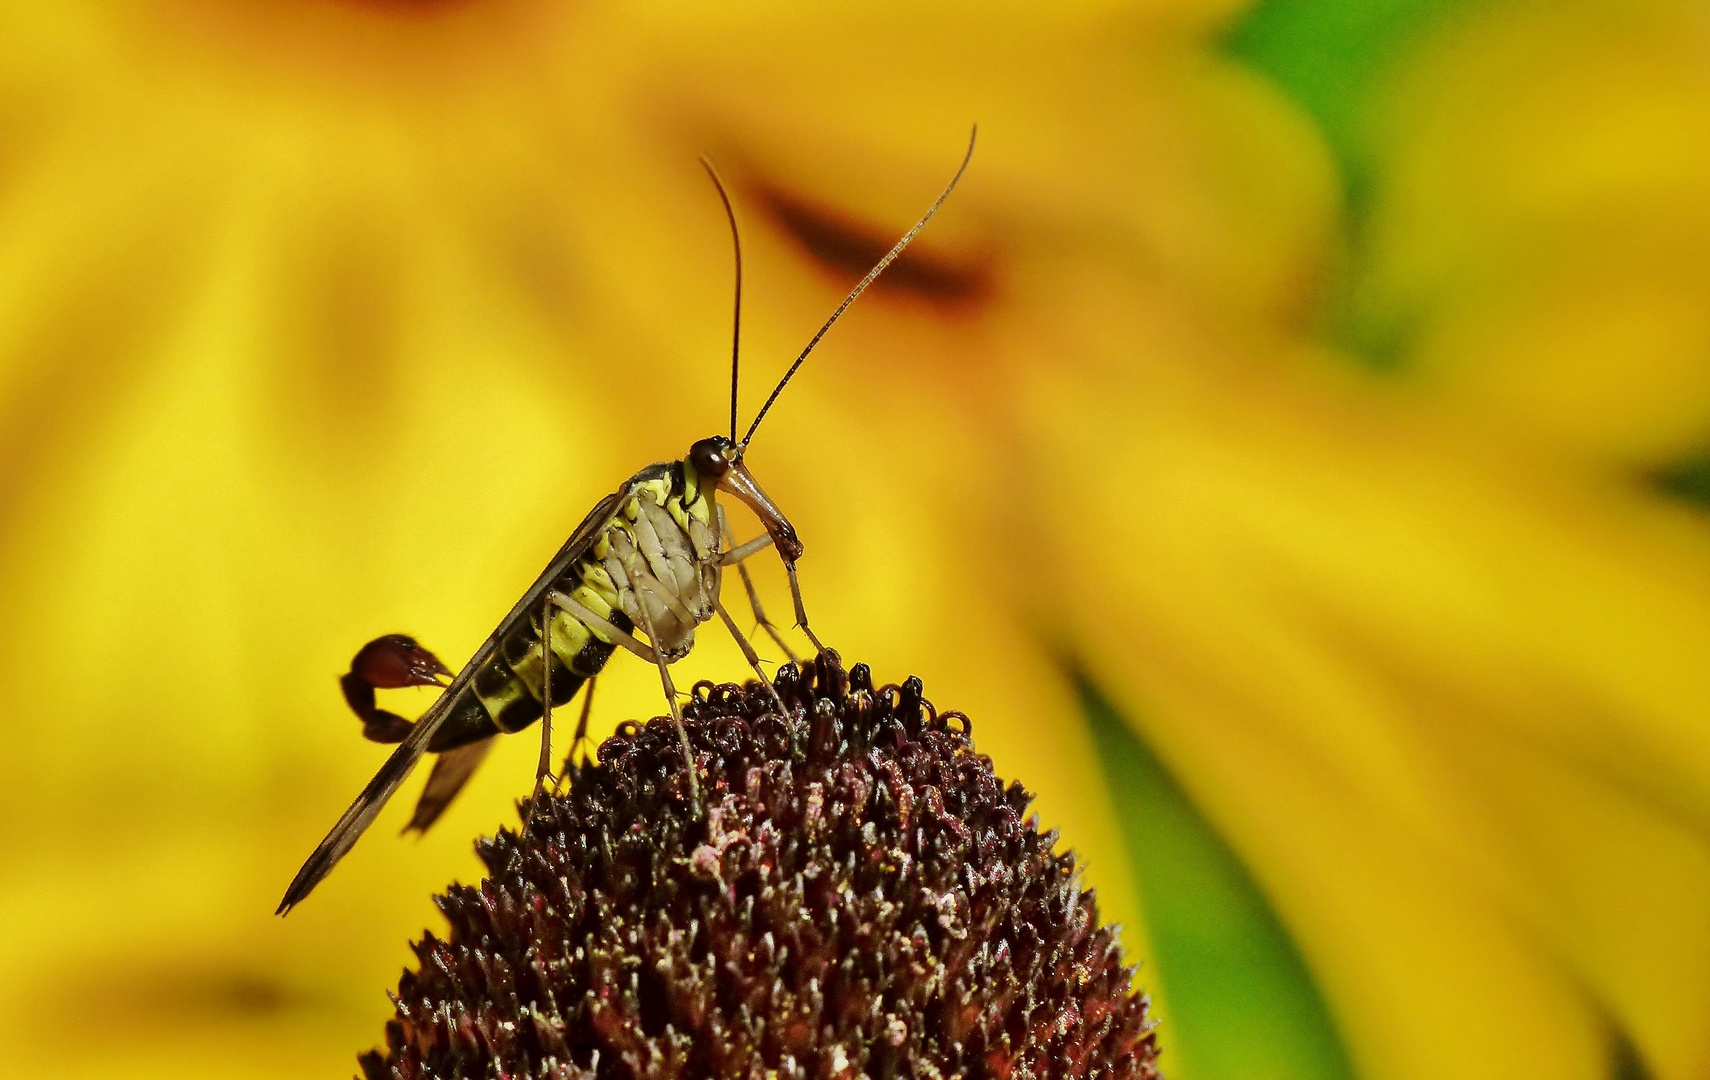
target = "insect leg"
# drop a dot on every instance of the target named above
(801, 612)
(735, 555)
(582, 725)
(543, 771)
(670, 690)
(594, 622)
(753, 657)
(754, 596)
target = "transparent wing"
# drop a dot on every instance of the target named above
(451, 771)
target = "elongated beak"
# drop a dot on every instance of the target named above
(740, 483)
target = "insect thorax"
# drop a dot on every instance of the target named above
(660, 549)
(656, 563)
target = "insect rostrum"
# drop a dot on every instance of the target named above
(861, 896)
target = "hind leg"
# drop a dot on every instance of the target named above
(581, 737)
(670, 688)
(543, 770)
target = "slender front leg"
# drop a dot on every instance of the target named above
(801, 612)
(736, 554)
(670, 689)
(754, 595)
(753, 657)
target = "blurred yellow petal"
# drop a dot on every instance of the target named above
(1404, 663)
(327, 319)
(1542, 231)
(331, 318)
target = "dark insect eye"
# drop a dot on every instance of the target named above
(711, 457)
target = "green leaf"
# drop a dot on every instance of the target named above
(1242, 1005)
(1336, 59)
(1332, 57)
(1624, 1060)
(1687, 479)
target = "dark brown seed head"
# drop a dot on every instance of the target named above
(862, 897)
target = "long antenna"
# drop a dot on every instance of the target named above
(736, 320)
(890, 257)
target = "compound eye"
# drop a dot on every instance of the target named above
(711, 457)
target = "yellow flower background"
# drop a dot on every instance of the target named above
(1291, 445)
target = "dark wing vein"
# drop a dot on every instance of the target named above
(397, 768)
